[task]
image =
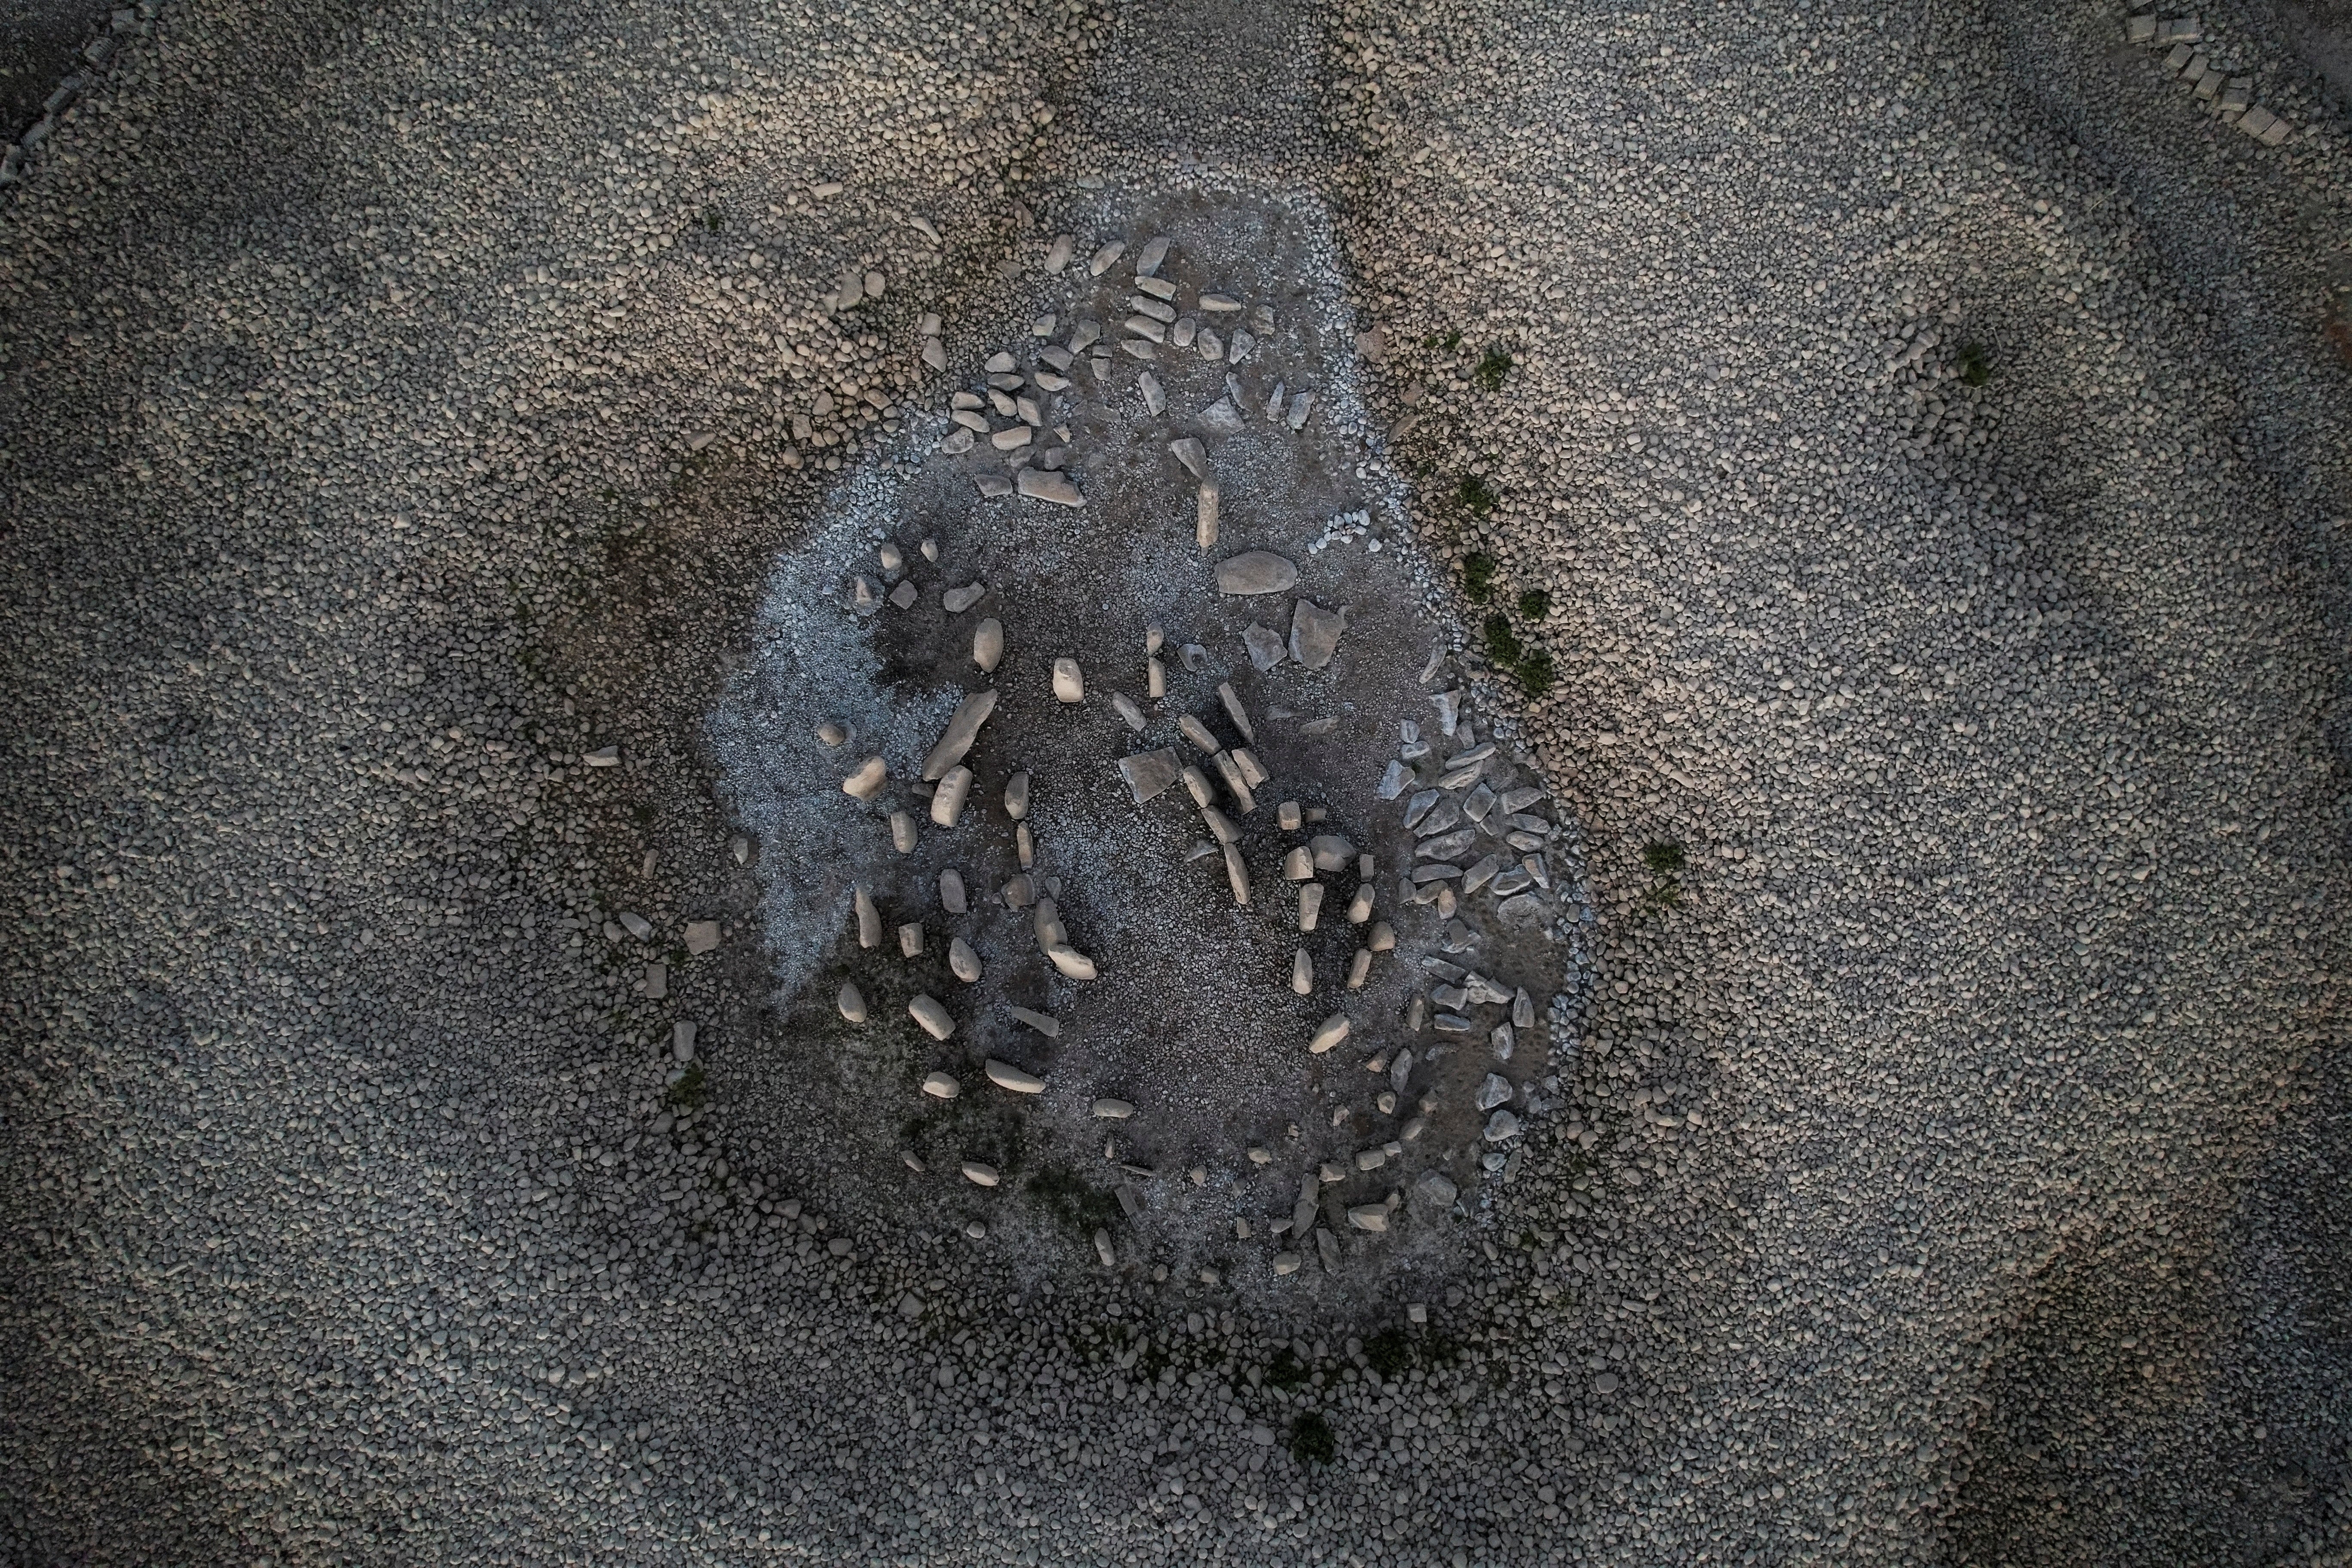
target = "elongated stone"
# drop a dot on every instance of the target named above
(1523, 1009)
(988, 644)
(941, 1085)
(1310, 905)
(1360, 908)
(956, 600)
(1196, 785)
(1328, 1033)
(963, 728)
(1147, 773)
(1046, 923)
(902, 832)
(1072, 963)
(1190, 452)
(1252, 772)
(1373, 1218)
(1234, 710)
(1146, 262)
(851, 1001)
(1359, 968)
(1235, 785)
(1019, 1080)
(1207, 500)
(1058, 254)
(1048, 485)
(948, 800)
(1111, 1109)
(1016, 796)
(1256, 571)
(980, 1173)
(1237, 874)
(1302, 972)
(952, 896)
(869, 918)
(867, 781)
(935, 1019)
(1155, 679)
(1221, 826)
(1154, 399)
(910, 940)
(1044, 1024)
(1198, 733)
(1101, 261)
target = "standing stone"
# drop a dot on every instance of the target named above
(947, 801)
(963, 728)
(935, 1019)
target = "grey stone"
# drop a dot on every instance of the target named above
(1256, 571)
(1315, 632)
(1265, 645)
(1147, 773)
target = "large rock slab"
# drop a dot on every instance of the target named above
(1256, 571)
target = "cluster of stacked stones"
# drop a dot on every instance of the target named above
(1476, 833)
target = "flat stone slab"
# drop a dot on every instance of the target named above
(1048, 485)
(1256, 571)
(1149, 773)
(1315, 632)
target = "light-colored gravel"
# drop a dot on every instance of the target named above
(409, 411)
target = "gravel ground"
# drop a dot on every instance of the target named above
(1925, 432)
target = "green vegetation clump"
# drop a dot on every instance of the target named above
(1311, 1442)
(1502, 642)
(1478, 576)
(1976, 365)
(1665, 860)
(1477, 497)
(1287, 1372)
(1534, 671)
(1390, 1351)
(1534, 604)
(689, 1091)
(1493, 367)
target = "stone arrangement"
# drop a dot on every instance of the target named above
(2181, 43)
(1381, 863)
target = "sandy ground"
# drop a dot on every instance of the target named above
(1926, 431)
